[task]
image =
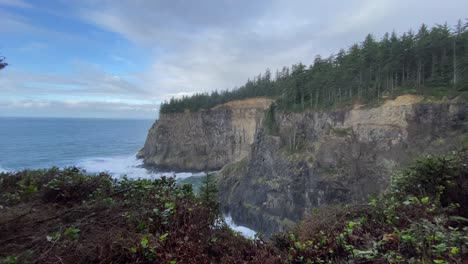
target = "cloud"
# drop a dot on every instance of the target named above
(219, 44)
(211, 45)
(195, 46)
(154, 22)
(77, 108)
(85, 79)
(13, 24)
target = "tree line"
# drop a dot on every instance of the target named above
(430, 61)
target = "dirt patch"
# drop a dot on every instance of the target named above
(246, 103)
(407, 99)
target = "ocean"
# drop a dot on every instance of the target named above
(95, 145)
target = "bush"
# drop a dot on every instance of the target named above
(270, 121)
(421, 219)
(445, 178)
(69, 216)
(70, 185)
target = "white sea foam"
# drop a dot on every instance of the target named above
(245, 231)
(127, 165)
(3, 169)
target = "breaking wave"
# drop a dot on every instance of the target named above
(130, 166)
(3, 169)
(245, 231)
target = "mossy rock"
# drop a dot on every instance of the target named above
(341, 132)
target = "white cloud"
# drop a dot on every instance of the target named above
(205, 45)
(12, 24)
(27, 104)
(77, 108)
(85, 80)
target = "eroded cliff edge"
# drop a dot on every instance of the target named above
(319, 158)
(204, 140)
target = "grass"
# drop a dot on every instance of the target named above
(235, 168)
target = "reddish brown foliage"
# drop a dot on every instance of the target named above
(65, 216)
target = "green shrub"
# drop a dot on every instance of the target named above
(441, 177)
(72, 233)
(421, 219)
(270, 121)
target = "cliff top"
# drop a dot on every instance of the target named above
(246, 103)
(406, 99)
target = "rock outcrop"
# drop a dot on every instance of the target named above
(204, 140)
(316, 159)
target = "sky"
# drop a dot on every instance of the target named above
(122, 58)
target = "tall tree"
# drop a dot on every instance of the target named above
(459, 28)
(422, 45)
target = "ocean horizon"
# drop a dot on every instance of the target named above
(93, 144)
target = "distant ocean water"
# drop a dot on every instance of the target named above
(93, 144)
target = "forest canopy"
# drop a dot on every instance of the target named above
(429, 61)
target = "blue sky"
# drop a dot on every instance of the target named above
(122, 58)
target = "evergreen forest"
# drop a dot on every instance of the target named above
(431, 61)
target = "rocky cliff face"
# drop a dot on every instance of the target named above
(315, 159)
(204, 140)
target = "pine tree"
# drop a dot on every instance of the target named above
(209, 193)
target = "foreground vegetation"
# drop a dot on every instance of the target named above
(431, 61)
(68, 216)
(422, 218)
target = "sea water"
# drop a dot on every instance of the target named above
(95, 145)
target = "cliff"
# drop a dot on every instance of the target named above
(320, 158)
(272, 179)
(204, 140)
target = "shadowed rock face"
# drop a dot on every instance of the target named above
(317, 159)
(204, 140)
